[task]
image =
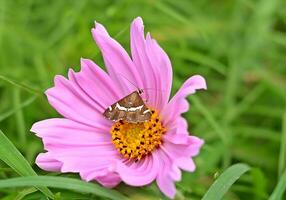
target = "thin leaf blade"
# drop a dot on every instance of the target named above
(225, 181)
(279, 189)
(62, 183)
(282, 154)
(12, 157)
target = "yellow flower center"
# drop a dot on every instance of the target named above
(135, 140)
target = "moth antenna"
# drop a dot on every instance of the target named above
(139, 90)
(154, 89)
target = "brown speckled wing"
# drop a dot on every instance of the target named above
(130, 108)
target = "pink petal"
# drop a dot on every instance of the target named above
(178, 103)
(172, 157)
(47, 162)
(78, 148)
(178, 132)
(186, 164)
(109, 180)
(68, 98)
(176, 138)
(165, 179)
(119, 65)
(175, 173)
(96, 84)
(166, 161)
(153, 64)
(181, 154)
(166, 185)
(189, 149)
(138, 174)
(68, 132)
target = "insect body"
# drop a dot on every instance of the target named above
(130, 108)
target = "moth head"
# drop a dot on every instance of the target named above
(140, 91)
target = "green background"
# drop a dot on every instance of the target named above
(238, 46)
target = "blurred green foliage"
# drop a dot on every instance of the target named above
(238, 46)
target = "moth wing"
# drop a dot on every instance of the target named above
(131, 117)
(143, 118)
(114, 114)
(130, 108)
(131, 100)
(142, 115)
(110, 112)
(145, 114)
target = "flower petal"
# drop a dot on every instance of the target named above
(178, 104)
(117, 61)
(138, 174)
(166, 185)
(110, 179)
(178, 132)
(189, 149)
(153, 64)
(172, 157)
(186, 164)
(47, 162)
(78, 148)
(71, 101)
(165, 177)
(96, 84)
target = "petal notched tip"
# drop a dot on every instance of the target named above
(50, 92)
(58, 80)
(138, 22)
(198, 82)
(198, 142)
(99, 30)
(34, 128)
(186, 164)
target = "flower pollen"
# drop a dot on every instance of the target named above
(135, 140)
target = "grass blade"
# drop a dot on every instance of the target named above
(202, 59)
(225, 181)
(279, 189)
(172, 13)
(21, 86)
(19, 116)
(282, 155)
(12, 157)
(210, 119)
(25, 103)
(25, 192)
(62, 183)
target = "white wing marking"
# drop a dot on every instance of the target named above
(121, 107)
(136, 108)
(146, 111)
(132, 109)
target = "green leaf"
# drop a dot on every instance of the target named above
(21, 86)
(21, 195)
(225, 181)
(282, 155)
(259, 184)
(279, 189)
(221, 133)
(62, 183)
(19, 117)
(12, 157)
(23, 104)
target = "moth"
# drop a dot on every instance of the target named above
(130, 108)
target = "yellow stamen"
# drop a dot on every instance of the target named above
(135, 140)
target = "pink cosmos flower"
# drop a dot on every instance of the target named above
(109, 152)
